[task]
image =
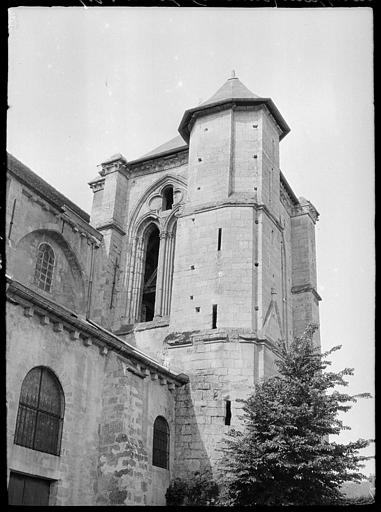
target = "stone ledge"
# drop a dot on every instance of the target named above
(143, 326)
(19, 294)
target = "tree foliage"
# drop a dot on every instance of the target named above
(283, 456)
(200, 490)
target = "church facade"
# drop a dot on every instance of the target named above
(131, 332)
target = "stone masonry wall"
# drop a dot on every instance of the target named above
(35, 220)
(131, 403)
(247, 136)
(209, 158)
(110, 409)
(220, 277)
(80, 370)
(305, 298)
(218, 371)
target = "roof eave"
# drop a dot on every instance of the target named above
(41, 187)
(188, 114)
(159, 155)
(289, 189)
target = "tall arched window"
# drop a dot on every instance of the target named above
(150, 274)
(167, 198)
(41, 410)
(44, 267)
(160, 450)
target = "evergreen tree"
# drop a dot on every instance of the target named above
(284, 456)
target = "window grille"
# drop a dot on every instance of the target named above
(160, 443)
(44, 267)
(40, 414)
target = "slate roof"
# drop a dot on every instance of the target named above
(173, 145)
(41, 187)
(232, 90)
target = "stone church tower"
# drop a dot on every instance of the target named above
(213, 259)
(131, 333)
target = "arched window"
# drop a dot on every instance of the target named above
(44, 267)
(150, 274)
(167, 198)
(160, 451)
(40, 414)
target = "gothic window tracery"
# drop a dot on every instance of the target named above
(40, 413)
(167, 195)
(159, 207)
(43, 273)
(150, 274)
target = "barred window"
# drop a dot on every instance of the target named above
(44, 267)
(40, 414)
(160, 443)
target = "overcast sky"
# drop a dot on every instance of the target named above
(85, 83)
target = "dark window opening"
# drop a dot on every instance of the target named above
(228, 412)
(43, 273)
(219, 239)
(214, 316)
(28, 490)
(40, 414)
(160, 450)
(167, 198)
(150, 274)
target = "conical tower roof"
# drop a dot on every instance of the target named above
(233, 88)
(233, 92)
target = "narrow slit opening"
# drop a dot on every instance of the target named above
(219, 239)
(214, 316)
(228, 412)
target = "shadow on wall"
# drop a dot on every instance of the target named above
(190, 453)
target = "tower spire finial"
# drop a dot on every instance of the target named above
(233, 74)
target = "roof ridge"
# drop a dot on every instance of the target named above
(41, 186)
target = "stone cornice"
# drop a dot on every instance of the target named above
(97, 184)
(157, 164)
(287, 198)
(60, 317)
(187, 211)
(288, 190)
(111, 225)
(40, 201)
(77, 222)
(222, 335)
(192, 114)
(306, 208)
(118, 164)
(68, 215)
(303, 288)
